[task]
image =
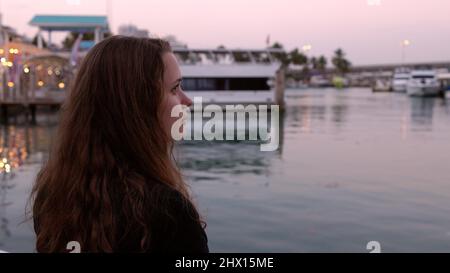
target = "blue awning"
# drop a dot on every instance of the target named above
(70, 23)
(86, 45)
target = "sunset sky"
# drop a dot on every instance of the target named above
(370, 31)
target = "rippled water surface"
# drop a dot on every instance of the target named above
(353, 167)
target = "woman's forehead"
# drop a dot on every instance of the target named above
(172, 70)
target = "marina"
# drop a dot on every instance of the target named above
(294, 133)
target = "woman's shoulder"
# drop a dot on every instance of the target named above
(183, 228)
(182, 205)
(173, 201)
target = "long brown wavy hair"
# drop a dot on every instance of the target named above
(111, 158)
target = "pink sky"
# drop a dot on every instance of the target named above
(369, 34)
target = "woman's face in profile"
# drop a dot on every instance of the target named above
(173, 94)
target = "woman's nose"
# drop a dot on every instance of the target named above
(186, 100)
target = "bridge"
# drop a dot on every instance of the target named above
(366, 75)
(392, 67)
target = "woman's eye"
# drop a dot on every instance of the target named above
(175, 88)
(178, 86)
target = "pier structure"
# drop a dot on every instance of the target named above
(32, 82)
(33, 76)
(69, 23)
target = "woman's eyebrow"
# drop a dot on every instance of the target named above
(177, 81)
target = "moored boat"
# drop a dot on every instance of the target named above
(423, 83)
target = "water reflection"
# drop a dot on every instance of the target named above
(340, 110)
(422, 110)
(213, 160)
(346, 173)
(4, 203)
(313, 111)
(14, 150)
(302, 116)
(21, 144)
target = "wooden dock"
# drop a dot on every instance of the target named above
(27, 107)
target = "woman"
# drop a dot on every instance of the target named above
(110, 182)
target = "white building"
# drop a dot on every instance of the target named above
(7, 34)
(132, 30)
(174, 42)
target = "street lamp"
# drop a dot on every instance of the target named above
(405, 43)
(306, 48)
(109, 13)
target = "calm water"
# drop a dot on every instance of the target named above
(353, 167)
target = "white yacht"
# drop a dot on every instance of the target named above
(400, 80)
(320, 81)
(225, 76)
(381, 85)
(423, 83)
(444, 79)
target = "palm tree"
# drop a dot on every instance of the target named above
(341, 64)
(277, 45)
(70, 39)
(314, 63)
(281, 56)
(322, 64)
(298, 58)
(35, 41)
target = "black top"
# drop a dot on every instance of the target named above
(182, 233)
(176, 229)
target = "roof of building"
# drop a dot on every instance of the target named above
(70, 22)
